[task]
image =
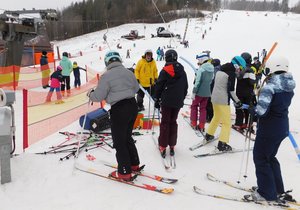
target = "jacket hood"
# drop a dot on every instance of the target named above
(64, 58)
(207, 67)
(283, 82)
(113, 65)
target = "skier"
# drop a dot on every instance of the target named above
(146, 74)
(45, 69)
(76, 72)
(209, 109)
(201, 91)
(118, 87)
(56, 79)
(67, 68)
(273, 127)
(220, 98)
(245, 92)
(170, 91)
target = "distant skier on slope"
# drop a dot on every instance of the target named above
(118, 87)
(201, 91)
(170, 91)
(222, 93)
(273, 127)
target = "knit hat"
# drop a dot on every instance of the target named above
(58, 68)
(240, 61)
(202, 58)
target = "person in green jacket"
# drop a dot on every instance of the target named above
(67, 68)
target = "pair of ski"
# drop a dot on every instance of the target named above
(245, 199)
(134, 182)
(186, 117)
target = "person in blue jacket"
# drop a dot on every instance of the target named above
(272, 107)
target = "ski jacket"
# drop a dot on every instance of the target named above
(44, 63)
(146, 72)
(76, 71)
(272, 106)
(56, 78)
(204, 77)
(245, 85)
(116, 84)
(172, 85)
(224, 86)
(66, 65)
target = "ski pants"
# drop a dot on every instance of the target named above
(140, 95)
(77, 81)
(66, 80)
(268, 173)
(221, 115)
(168, 127)
(242, 115)
(123, 115)
(198, 109)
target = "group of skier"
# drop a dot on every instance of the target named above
(118, 87)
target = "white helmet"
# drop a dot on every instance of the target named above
(275, 64)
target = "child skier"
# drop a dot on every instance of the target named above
(76, 72)
(56, 79)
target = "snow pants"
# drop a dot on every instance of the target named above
(268, 173)
(122, 116)
(221, 115)
(198, 109)
(140, 95)
(168, 127)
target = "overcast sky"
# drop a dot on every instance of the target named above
(51, 4)
(37, 4)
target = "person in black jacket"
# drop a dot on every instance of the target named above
(170, 91)
(245, 92)
(76, 72)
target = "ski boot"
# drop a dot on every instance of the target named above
(223, 147)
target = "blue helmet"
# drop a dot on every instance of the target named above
(112, 56)
(240, 61)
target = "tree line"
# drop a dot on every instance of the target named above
(93, 15)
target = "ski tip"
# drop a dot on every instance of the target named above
(167, 190)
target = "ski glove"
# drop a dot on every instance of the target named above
(252, 111)
(157, 103)
(238, 105)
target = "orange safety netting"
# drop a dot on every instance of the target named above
(42, 119)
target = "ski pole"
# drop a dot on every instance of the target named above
(148, 126)
(294, 143)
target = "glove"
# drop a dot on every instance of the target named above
(193, 96)
(252, 111)
(238, 105)
(89, 92)
(157, 104)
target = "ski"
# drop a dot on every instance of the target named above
(201, 144)
(187, 120)
(245, 199)
(172, 161)
(237, 186)
(134, 183)
(163, 159)
(146, 174)
(217, 152)
(243, 132)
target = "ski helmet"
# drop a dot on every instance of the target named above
(240, 61)
(276, 64)
(44, 52)
(65, 54)
(202, 57)
(171, 56)
(148, 51)
(58, 68)
(247, 57)
(216, 62)
(112, 56)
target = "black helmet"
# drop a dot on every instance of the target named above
(247, 57)
(65, 54)
(171, 56)
(44, 52)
